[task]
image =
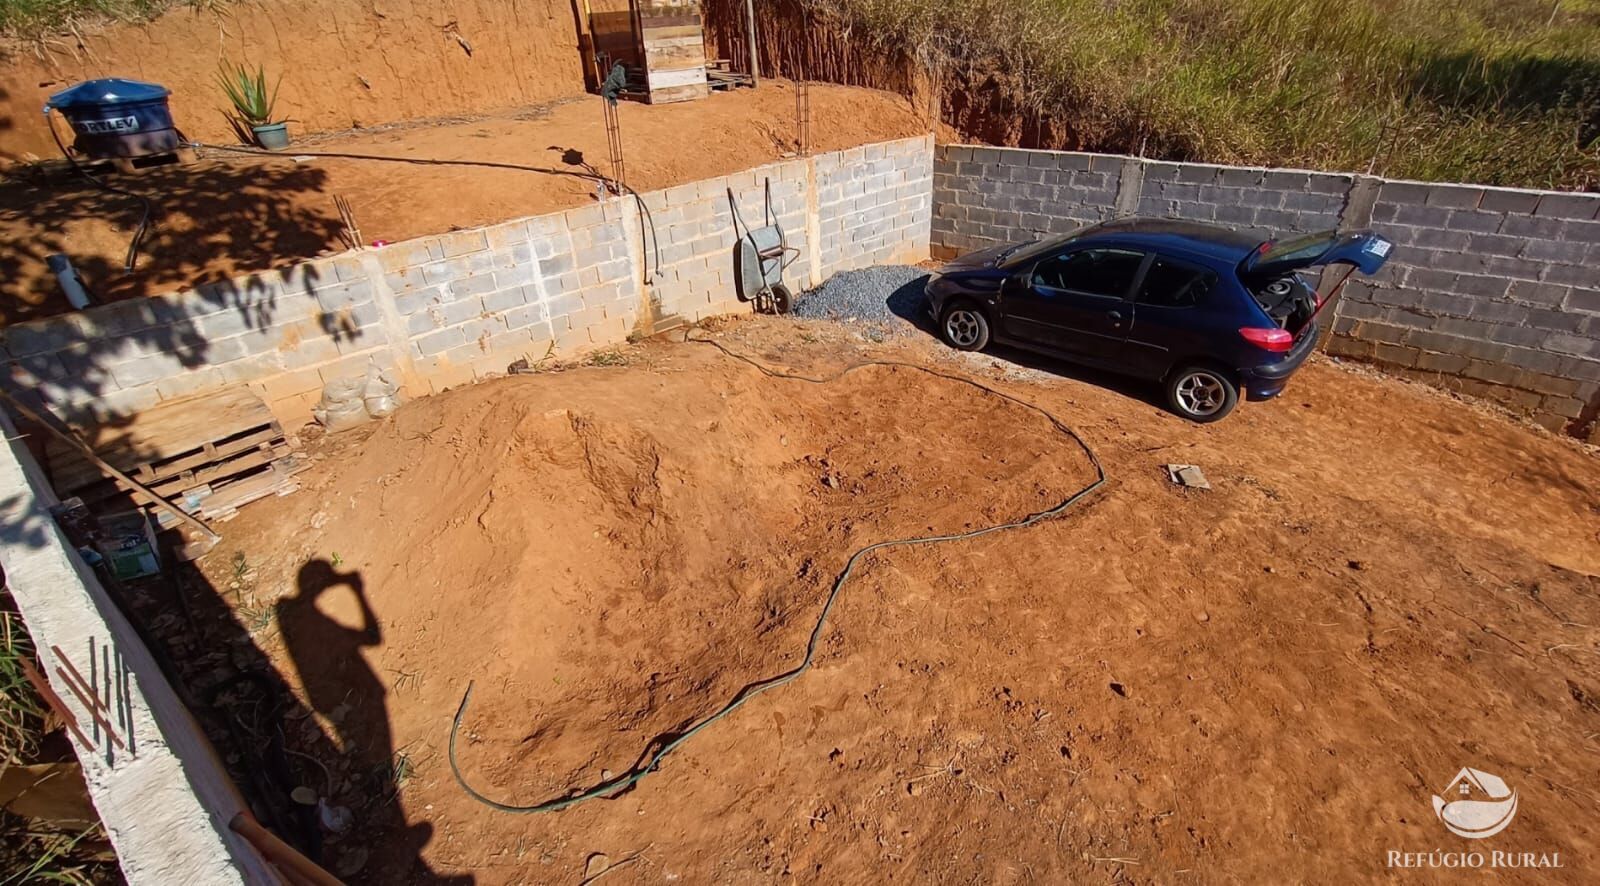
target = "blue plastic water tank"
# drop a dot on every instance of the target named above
(118, 118)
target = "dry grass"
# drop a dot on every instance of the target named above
(1490, 91)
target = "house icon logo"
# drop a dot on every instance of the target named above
(1476, 804)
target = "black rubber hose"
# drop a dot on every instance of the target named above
(628, 779)
(144, 220)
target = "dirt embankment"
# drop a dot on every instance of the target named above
(229, 214)
(344, 64)
(796, 41)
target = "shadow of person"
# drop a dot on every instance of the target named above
(325, 626)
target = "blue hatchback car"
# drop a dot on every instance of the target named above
(1210, 312)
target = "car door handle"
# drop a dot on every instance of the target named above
(1115, 317)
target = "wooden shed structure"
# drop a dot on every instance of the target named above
(661, 42)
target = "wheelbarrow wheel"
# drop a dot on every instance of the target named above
(782, 301)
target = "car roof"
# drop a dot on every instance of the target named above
(1172, 235)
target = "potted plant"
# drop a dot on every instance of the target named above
(253, 106)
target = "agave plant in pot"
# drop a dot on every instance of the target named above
(252, 116)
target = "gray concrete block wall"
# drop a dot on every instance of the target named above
(874, 204)
(451, 309)
(691, 259)
(1492, 291)
(989, 196)
(1275, 200)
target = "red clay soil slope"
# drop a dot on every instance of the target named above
(343, 63)
(1264, 682)
(232, 214)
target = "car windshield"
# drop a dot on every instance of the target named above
(1297, 249)
(1023, 253)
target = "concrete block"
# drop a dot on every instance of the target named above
(1561, 205)
(344, 295)
(1482, 287)
(470, 286)
(1448, 364)
(1403, 193)
(1586, 301)
(1580, 231)
(503, 300)
(1570, 275)
(1557, 251)
(1398, 355)
(1557, 320)
(1559, 342)
(1518, 336)
(1508, 200)
(1421, 216)
(507, 234)
(1454, 196)
(1532, 227)
(1285, 180)
(438, 342)
(1489, 244)
(1474, 221)
(399, 256)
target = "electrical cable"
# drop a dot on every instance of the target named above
(750, 691)
(616, 187)
(144, 220)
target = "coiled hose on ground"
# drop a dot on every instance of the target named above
(632, 777)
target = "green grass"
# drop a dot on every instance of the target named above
(35, 851)
(32, 18)
(1490, 91)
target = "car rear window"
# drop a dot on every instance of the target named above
(1297, 249)
(1174, 284)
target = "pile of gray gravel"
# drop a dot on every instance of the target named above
(886, 296)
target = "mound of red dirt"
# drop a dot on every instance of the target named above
(1265, 681)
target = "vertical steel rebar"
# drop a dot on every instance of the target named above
(802, 113)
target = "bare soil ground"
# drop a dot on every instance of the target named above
(231, 214)
(1265, 682)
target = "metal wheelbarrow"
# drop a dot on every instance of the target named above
(760, 256)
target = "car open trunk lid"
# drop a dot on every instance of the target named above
(1365, 250)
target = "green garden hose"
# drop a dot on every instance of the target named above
(628, 779)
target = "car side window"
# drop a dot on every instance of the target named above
(1172, 284)
(1107, 272)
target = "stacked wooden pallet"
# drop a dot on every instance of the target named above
(209, 455)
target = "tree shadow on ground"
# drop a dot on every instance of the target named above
(209, 221)
(332, 738)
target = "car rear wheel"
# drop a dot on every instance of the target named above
(1202, 393)
(964, 327)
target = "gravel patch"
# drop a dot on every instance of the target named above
(885, 296)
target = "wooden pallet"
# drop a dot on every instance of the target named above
(186, 451)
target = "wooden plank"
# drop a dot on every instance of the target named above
(671, 21)
(694, 42)
(81, 475)
(168, 430)
(237, 464)
(679, 94)
(652, 36)
(680, 60)
(659, 80)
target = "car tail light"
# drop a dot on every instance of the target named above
(1274, 339)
